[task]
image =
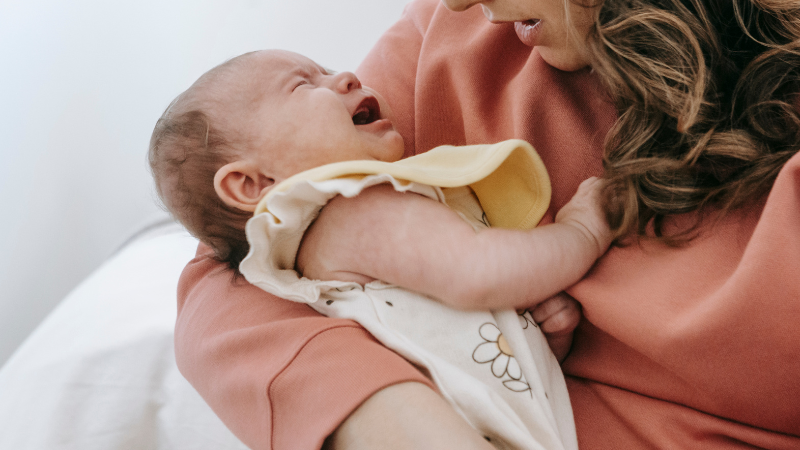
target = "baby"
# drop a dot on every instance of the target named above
(243, 140)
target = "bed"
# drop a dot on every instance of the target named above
(100, 373)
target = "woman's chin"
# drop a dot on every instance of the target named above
(568, 61)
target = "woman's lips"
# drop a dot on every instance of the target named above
(527, 31)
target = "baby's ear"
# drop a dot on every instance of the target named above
(241, 184)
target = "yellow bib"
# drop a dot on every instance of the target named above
(508, 178)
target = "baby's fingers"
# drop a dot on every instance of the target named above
(557, 315)
(590, 188)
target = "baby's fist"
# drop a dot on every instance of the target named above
(584, 212)
(558, 316)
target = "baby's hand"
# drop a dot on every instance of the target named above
(558, 316)
(584, 212)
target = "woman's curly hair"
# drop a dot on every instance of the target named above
(708, 94)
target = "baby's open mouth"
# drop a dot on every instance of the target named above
(368, 111)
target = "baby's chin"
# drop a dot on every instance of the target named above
(394, 146)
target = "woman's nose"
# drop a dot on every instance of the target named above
(459, 5)
(345, 82)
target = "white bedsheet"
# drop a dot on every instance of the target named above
(99, 372)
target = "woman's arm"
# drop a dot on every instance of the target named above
(422, 245)
(406, 416)
(277, 373)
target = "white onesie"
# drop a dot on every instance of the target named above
(495, 368)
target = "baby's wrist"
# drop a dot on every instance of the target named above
(598, 238)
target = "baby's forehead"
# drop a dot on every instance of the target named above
(264, 72)
(275, 62)
(268, 73)
(249, 80)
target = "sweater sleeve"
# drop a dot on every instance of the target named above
(277, 373)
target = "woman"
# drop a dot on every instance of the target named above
(689, 331)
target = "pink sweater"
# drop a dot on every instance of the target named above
(696, 347)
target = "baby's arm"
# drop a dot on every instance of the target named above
(420, 244)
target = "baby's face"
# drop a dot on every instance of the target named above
(301, 116)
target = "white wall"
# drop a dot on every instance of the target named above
(82, 83)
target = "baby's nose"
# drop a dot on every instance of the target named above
(346, 81)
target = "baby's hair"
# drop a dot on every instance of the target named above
(189, 144)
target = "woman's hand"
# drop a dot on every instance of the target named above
(558, 316)
(405, 416)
